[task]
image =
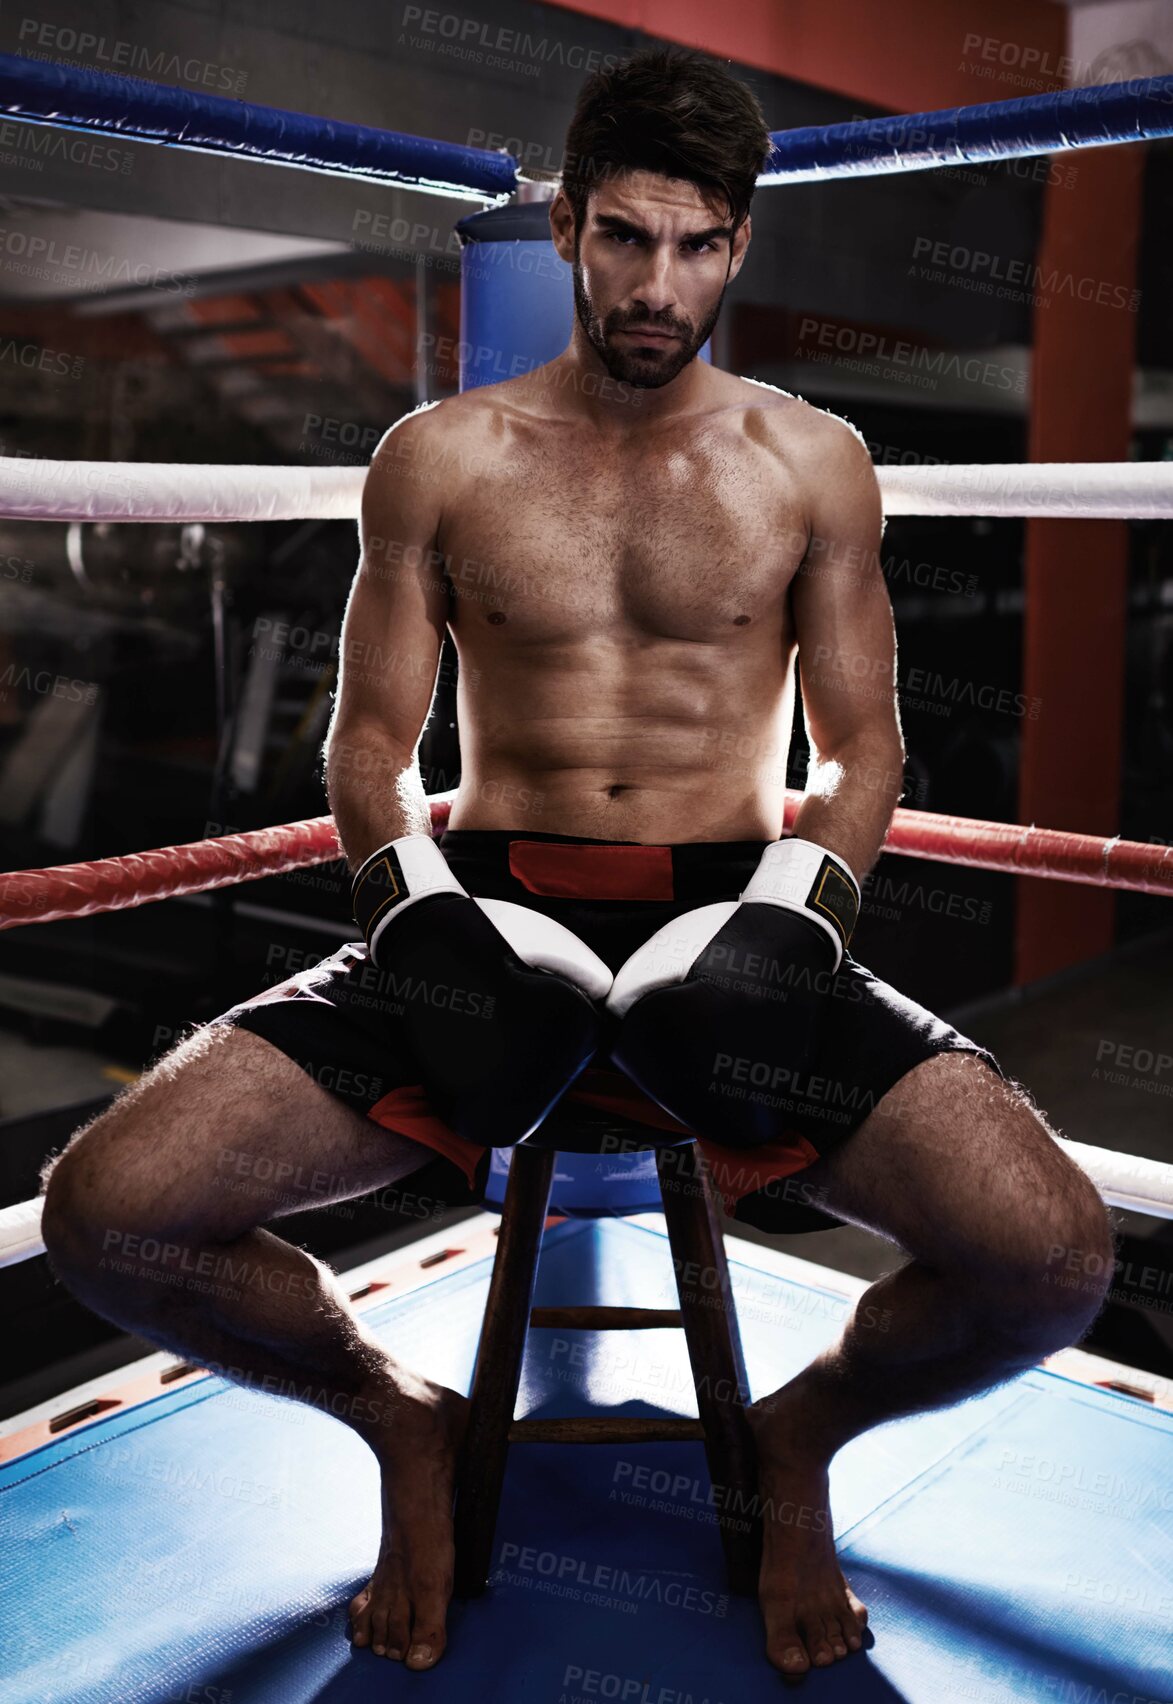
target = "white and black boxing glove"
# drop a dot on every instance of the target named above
(729, 996)
(497, 998)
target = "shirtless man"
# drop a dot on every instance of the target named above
(630, 548)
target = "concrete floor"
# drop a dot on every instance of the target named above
(1095, 1048)
(34, 1078)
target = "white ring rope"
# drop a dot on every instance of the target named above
(44, 490)
(1124, 1180)
(34, 489)
(1072, 491)
(20, 1232)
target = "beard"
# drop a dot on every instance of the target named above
(653, 365)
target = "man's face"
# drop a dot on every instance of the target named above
(650, 268)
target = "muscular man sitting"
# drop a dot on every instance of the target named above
(630, 549)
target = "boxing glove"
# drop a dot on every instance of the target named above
(718, 1012)
(496, 998)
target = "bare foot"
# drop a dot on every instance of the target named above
(401, 1613)
(811, 1614)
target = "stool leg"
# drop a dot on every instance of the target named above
(481, 1473)
(714, 1349)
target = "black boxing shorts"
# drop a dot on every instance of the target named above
(339, 1021)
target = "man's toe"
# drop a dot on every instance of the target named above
(393, 1629)
(818, 1642)
(360, 1620)
(428, 1635)
(784, 1646)
(836, 1622)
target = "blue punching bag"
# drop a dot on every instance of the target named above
(516, 312)
(516, 296)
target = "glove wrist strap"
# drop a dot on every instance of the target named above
(396, 876)
(802, 876)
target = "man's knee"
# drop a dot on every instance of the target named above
(1080, 1258)
(86, 1201)
(116, 1178)
(1038, 1229)
(1063, 1265)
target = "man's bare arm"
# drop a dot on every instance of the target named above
(847, 658)
(390, 651)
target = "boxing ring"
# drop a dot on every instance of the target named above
(169, 1536)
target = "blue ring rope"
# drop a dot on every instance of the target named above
(76, 98)
(1136, 111)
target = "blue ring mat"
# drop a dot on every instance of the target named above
(203, 1546)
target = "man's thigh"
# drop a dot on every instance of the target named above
(225, 1133)
(958, 1167)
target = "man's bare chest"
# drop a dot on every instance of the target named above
(684, 543)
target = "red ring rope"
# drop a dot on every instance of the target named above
(114, 884)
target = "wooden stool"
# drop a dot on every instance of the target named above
(711, 1333)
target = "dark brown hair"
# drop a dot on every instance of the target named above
(668, 111)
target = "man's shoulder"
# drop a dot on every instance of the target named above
(456, 417)
(430, 444)
(793, 425)
(430, 423)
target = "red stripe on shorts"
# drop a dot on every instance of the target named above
(737, 1172)
(592, 872)
(408, 1112)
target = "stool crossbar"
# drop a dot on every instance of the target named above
(706, 1315)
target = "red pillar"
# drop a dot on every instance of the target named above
(911, 58)
(1076, 571)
